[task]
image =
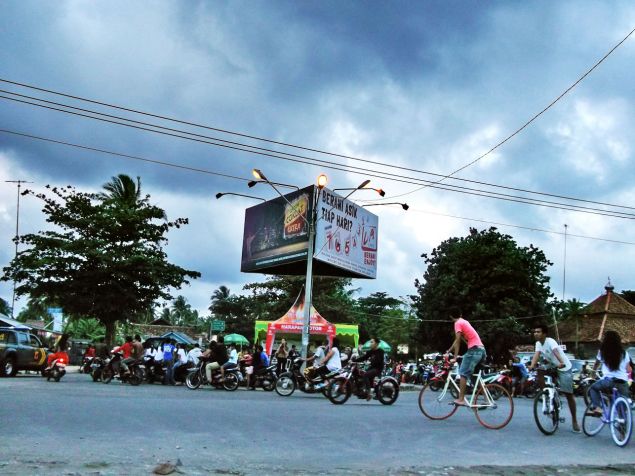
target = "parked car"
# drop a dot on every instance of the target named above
(20, 350)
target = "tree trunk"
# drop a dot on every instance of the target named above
(110, 333)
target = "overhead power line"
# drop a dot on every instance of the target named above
(95, 115)
(209, 172)
(285, 144)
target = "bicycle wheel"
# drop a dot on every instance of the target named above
(436, 405)
(593, 424)
(493, 413)
(546, 413)
(621, 421)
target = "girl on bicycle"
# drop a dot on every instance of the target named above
(616, 366)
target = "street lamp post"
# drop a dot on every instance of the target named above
(311, 223)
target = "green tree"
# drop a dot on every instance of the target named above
(85, 328)
(4, 307)
(182, 313)
(36, 309)
(104, 258)
(629, 296)
(371, 311)
(491, 280)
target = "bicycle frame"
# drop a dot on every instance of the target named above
(480, 383)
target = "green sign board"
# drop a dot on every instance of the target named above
(218, 325)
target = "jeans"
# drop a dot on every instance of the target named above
(471, 359)
(169, 372)
(606, 385)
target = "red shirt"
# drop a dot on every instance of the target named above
(126, 349)
(90, 352)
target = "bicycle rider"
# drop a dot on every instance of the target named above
(616, 365)
(475, 352)
(548, 349)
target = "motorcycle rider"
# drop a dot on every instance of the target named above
(375, 356)
(331, 361)
(126, 349)
(217, 356)
(316, 359)
(231, 363)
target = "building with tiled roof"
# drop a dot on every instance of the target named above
(610, 311)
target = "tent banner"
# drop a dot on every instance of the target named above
(276, 232)
(346, 235)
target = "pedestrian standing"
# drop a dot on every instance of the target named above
(168, 360)
(281, 357)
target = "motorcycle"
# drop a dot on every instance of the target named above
(85, 367)
(96, 367)
(287, 382)
(57, 369)
(266, 378)
(114, 369)
(196, 377)
(350, 380)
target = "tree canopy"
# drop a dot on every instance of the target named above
(104, 257)
(491, 280)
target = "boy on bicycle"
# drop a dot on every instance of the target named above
(549, 350)
(475, 352)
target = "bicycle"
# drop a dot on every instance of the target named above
(616, 412)
(547, 406)
(492, 413)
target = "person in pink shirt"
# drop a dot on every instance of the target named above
(475, 354)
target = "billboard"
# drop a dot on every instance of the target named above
(276, 233)
(346, 235)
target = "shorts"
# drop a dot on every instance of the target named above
(565, 381)
(471, 359)
(249, 370)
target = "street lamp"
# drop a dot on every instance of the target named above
(220, 194)
(405, 206)
(253, 183)
(380, 191)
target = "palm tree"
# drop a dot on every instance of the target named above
(220, 302)
(122, 189)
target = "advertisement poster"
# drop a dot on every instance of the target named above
(346, 235)
(276, 232)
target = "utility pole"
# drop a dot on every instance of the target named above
(17, 234)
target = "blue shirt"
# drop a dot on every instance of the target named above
(522, 369)
(168, 350)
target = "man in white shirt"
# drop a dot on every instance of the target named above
(194, 354)
(232, 361)
(549, 350)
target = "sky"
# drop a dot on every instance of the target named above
(414, 87)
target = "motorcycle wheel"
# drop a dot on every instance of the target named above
(285, 385)
(339, 391)
(387, 392)
(134, 379)
(106, 375)
(193, 380)
(231, 382)
(268, 384)
(57, 375)
(96, 375)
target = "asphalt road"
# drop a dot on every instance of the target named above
(80, 427)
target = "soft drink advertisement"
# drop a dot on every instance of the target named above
(346, 235)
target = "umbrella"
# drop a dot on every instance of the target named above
(382, 345)
(235, 339)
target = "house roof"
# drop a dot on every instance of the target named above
(179, 337)
(609, 311)
(6, 321)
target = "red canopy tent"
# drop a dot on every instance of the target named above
(291, 323)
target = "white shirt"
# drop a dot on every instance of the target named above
(334, 363)
(181, 355)
(158, 357)
(150, 352)
(621, 373)
(233, 357)
(318, 356)
(194, 354)
(546, 351)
